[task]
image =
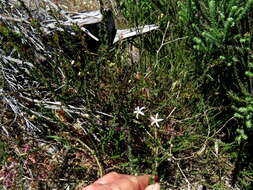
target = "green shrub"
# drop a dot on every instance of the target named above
(221, 38)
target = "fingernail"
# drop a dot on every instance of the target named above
(155, 186)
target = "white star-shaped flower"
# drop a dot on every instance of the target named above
(138, 111)
(155, 120)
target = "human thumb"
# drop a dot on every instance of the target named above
(155, 186)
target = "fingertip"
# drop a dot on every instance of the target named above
(96, 186)
(155, 186)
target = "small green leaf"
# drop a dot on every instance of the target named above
(248, 124)
(241, 135)
(237, 115)
(249, 74)
(242, 110)
(197, 40)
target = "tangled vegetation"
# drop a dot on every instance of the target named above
(176, 102)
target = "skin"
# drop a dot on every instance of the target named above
(115, 181)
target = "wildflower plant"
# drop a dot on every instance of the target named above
(152, 132)
(154, 119)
